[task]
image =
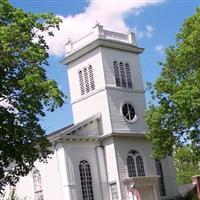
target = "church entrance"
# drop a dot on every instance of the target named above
(147, 193)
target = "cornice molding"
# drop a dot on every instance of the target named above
(75, 138)
(101, 138)
(108, 87)
(121, 134)
(101, 42)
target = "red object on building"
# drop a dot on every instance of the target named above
(135, 193)
(196, 181)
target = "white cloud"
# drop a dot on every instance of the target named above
(147, 32)
(137, 12)
(110, 14)
(159, 48)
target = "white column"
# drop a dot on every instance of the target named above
(156, 193)
(102, 173)
(131, 38)
(68, 46)
(70, 175)
(112, 165)
(66, 173)
(98, 30)
(60, 154)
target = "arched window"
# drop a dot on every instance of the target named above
(87, 87)
(140, 165)
(86, 79)
(128, 75)
(161, 179)
(38, 192)
(131, 166)
(82, 88)
(122, 74)
(86, 180)
(116, 74)
(135, 164)
(91, 77)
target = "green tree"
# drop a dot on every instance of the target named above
(186, 166)
(25, 91)
(174, 118)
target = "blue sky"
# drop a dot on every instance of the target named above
(154, 22)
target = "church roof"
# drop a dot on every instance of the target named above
(72, 128)
(100, 37)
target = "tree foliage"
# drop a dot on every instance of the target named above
(175, 117)
(186, 165)
(25, 91)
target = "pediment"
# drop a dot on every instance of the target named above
(86, 128)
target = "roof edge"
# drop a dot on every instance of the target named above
(71, 128)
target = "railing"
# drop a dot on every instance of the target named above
(83, 40)
(116, 36)
(99, 32)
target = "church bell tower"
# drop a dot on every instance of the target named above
(105, 78)
(105, 152)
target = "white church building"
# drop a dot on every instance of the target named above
(106, 145)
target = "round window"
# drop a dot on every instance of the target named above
(128, 112)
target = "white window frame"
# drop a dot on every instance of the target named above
(38, 191)
(86, 80)
(161, 184)
(135, 118)
(122, 72)
(134, 156)
(112, 197)
(89, 196)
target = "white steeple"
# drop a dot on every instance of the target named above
(104, 76)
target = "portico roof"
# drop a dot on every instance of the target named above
(71, 129)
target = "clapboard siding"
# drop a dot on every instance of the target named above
(91, 106)
(119, 124)
(51, 184)
(110, 55)
(93, 58)
(122, 146)
(169, 177)
(91, 130)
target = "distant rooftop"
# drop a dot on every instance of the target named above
(99, 32)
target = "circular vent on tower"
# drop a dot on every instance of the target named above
(128, 112)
